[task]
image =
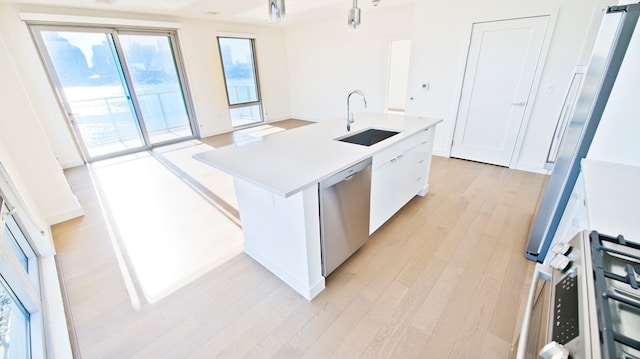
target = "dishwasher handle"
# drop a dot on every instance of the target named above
(346, 174)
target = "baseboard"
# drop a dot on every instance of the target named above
(440, 153)
(65, 216)
(276, 119)
(71, 327)
(531, 168)
(71, 164)
(307, 291)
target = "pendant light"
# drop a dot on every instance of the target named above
(354, 16)
(276, 11)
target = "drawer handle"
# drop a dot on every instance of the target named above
(421, 161)
(419, 178)
(397, 158)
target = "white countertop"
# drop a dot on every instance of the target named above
(613, 198)
(289, 161)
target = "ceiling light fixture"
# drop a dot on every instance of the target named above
(276, 11)
(354, 16)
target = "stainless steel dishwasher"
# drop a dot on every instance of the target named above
(344, 214)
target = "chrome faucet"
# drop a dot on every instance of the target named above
(349, 113)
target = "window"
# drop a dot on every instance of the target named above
(241, 79)
(21, 331)
(14, 325)
(122, 91)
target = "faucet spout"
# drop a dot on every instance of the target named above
(350, 118)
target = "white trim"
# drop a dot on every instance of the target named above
(58, 343)
(65, 216)
(442, 153)
(89, 20)
(531, 168)
(71, 164)
(237, 35)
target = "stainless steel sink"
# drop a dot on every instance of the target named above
(368, 137)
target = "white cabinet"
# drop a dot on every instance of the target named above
(399, 173)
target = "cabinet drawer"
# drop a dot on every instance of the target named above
(388, 154)
(418, 163)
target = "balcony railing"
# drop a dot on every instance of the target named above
(110, 119)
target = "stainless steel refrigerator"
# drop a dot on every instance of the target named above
(612, 42)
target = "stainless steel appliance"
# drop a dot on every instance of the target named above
(612, 42)
(586, 303)
(344, 214)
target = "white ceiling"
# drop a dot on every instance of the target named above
(246, 11)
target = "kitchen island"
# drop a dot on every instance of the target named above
(276, 180)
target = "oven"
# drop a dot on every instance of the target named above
(586, 302)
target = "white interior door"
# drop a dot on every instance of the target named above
(499, 74)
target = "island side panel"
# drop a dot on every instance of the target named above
(283, 234)
(427, 148)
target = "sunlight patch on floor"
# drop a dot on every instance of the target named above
(170, 233)
(219, 184)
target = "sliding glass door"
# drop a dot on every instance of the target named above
(157, 86)
(122, 91)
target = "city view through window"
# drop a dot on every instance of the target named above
(122, 92)
(238, 62)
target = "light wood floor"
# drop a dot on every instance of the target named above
(444, 278)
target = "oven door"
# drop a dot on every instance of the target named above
(535, 322)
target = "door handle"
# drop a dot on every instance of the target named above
(520, 104)
(10, 212)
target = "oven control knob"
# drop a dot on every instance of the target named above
(560, 262)
(554, 350)
(561, 248)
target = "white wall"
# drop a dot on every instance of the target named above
(25, 149)
(29, 68)
(204, 71)
(327, 61)
(306, 71)
(440, 60)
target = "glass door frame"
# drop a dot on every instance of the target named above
(182, 80)
(36, 29)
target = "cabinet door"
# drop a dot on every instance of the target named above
(384, 193)
(396, 181)
(392, 186)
